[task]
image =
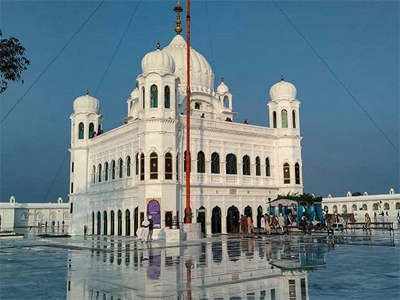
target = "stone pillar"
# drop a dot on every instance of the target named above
(223, 218)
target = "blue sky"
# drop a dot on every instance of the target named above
(250, 44)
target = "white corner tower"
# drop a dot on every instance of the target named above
(284, 117)
(85, 124)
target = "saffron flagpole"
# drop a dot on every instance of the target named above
(188, 170)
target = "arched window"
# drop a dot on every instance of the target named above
(137, 164)
(284, 118)
(142, 166)
(397, 205)
(106, 171)
(246, 165)
(335, 209)
(201, 162)
(168, 166)
(184, 163)
(375, 206)
(226, 102)
(113, 169)
(267, 167)
(197, 105)
(274, 122)
(153, 165)
(297, 173)
(94, 174)
(344, 209)
(364, 207)
(167, 97)
(294, 118)
(72, 188)
(128, 166)
(258, 166)
(286, 173)
(91, 130)
(153, 96)
(354, 207)
(121, 167)
(231, 165)
(215, 163)
(99, 172)
(386, 206)
(81, 134)
(144, 97)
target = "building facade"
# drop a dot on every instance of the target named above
(15, 215)
(371, 204)
(138, 169)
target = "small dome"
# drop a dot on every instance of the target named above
(283, 90)
(222, 88)
(87, 103)
(158, 60)
(135, 94)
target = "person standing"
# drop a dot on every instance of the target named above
(249, 225)
(289, 219)
(367, 223)
(383, 217)
(262, 223)
(243, 223)
(387, 217)
(145, 231)
(268, 224)
(281, 223)
(375, 217)
(151, 227)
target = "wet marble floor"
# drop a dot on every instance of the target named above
(226, 267)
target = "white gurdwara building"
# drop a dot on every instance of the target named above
(138, 169)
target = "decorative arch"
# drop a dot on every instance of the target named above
(105, 223)
(286, 173)
(154, 96)
(258, 166)
(106, 171)
(112, 216)
(113, 169)
(294, 118)
(226, 102)
(137, 164)
(375, 207)
(397, 205)
(334, 209)
(215, 163)
(364, 207)
(168, 166)
(128, 166)
(354, 207)
(344, 209)
(232, 219)
(99, 168)
(231, 164)
(267, 167)
(167, 97)
(143, 98)
(274, 119)
(127, 222)
(91, 130)
(119, 222)
(201, 162)
(142, 166)
(153, 165)
(184, 162)
(248, 212)
(216, 220)
(94, 174)
(81, 131)
(120, 167)
(386, 206)
(297, 173)
(246, 165)
(284, 118)
(98, 223)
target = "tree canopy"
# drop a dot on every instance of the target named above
(12, 61)
(302, 199)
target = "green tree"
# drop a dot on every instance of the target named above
(12, 61)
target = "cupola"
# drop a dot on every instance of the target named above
(86, 104)
(158, 61)
(283, 90)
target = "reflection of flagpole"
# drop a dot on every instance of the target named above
(188, 219)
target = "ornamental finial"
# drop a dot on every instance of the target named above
(178, 9)
(222, 79)
(87, 92)
(158, 45)
(282, 78)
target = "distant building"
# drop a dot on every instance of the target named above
(138, 169)
(19, 215)
(359, 205)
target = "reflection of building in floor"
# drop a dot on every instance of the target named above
(230, 269)
(138, 169)
(19, 215)
(360, 204)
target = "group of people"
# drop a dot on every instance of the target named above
(147, 230)
(274, 221)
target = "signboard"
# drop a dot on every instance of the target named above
(154, 210)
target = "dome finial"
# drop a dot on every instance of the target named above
(282, 78)
(87, 92)
(222, 79)
(178, 9)
(158, 45)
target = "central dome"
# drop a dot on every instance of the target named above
(201, 74)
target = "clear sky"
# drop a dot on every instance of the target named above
(249, 43)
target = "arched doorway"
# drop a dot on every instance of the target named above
(216, 220)
(127, 222)
(248, 212)
(201, 218)
(136, 220)
(119, 222)
(112, 223)
(98, 223)
(105, 223)
(168, 219)
(259, 215)
(232, 220)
